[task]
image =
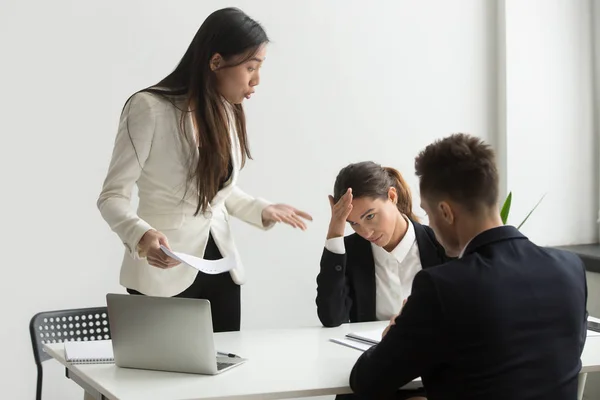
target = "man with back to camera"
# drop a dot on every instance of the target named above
(505, 320)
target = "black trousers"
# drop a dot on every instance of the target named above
(222, 292)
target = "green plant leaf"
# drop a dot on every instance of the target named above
(506, 208)
(531, 212)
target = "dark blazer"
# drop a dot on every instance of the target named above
(346, 283)
(505, 321)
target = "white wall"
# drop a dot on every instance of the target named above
(344, 81)
(551, 119)
(550, 139)
(350, 96)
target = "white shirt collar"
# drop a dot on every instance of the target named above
(401, 250)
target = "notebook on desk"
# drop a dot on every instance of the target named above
(360, 340)
(366, 339)
(89, 352)
(370, 337)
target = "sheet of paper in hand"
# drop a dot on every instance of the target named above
(207, 266)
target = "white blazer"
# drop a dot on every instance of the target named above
(156, 156)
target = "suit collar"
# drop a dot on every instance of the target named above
(402, 249)
(490, 236)
(429, 249)
(364, 265)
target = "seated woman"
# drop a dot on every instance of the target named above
(366, 276)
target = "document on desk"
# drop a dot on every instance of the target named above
(360, 340)
(365, 340)
(372, 337)
(207, 266)
(354, 344)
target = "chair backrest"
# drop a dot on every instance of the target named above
(67, 325)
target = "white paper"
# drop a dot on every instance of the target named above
(362, 346)
(365, 340)
(207, 266)
(89, 352)
(372, 336)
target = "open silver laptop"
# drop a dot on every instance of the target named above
(165, 334)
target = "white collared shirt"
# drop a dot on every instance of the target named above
(394, 271)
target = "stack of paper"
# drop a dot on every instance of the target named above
(360, 340)
(366, 339)
(370, 337)
(354, 344)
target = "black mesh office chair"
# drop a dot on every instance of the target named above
(63, 326)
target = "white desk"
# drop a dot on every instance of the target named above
(282, 364)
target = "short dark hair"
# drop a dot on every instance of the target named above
(369, 179)
(461, 167)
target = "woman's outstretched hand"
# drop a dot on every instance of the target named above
(285, 214)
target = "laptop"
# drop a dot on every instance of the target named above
(165, 334)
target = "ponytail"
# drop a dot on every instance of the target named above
(404, 203)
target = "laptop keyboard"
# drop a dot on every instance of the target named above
(222, 365)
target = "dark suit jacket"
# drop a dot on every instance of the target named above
(505, 321)
(346, 283)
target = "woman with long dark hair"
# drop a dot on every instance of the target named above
(183, 142)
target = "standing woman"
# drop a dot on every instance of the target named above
(183, 142)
